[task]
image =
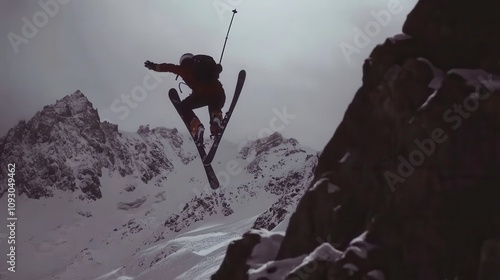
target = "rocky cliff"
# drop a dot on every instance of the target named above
(420, 197)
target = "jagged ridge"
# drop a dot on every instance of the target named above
(65, 147)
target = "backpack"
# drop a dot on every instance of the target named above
(205, 68)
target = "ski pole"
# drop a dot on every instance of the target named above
(234, 12)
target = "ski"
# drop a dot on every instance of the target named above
(212, 178)
(239, 85)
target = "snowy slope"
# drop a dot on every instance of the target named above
(214, 218)
(149, 208)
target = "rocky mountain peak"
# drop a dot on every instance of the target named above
(72, 111)
(64, 147)
(265, 144)
(73, 104)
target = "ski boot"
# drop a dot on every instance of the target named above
(215, 123)
(197, 130)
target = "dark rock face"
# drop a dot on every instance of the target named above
(413, 166)
(490, 260)
(234, 265)
(469, 29)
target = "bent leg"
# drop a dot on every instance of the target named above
(215, 109)
(187, 106)
(193, 101)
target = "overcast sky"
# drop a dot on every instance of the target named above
(290, 50)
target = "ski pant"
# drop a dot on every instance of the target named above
(212, 96)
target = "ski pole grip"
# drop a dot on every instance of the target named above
(224, 47)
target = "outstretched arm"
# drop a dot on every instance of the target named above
(163, 67)
(168, 67)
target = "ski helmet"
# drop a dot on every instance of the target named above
(185, 57)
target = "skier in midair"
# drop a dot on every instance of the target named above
(201, 74)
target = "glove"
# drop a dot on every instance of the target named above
(219, 68)
(150, 65)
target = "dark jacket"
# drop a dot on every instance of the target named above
(188, 75)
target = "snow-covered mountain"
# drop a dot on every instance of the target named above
(94, 202)
(65, 147)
